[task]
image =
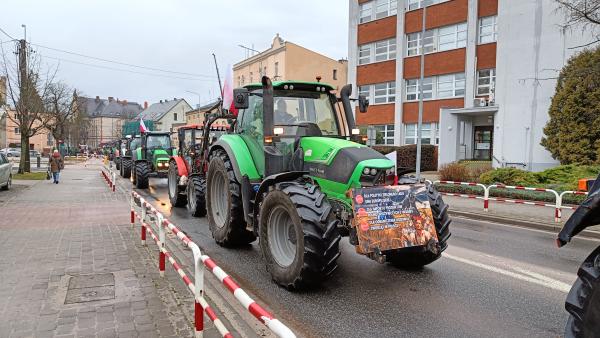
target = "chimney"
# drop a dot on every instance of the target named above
(145, 104)
(110, 99)
(174, 98)
(160, 101)
(97, 99)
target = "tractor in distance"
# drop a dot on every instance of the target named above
(285, 173)
(120, 149)
(151, 157)
(186, 178)
(130, 145)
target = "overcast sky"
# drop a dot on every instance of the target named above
(174, 35)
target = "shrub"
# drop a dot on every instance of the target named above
(455, 172)
(509, 176)
(406, 156)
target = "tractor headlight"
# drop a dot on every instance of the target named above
(373, 172)
(366, 171)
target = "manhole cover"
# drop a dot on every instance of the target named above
(89, 288)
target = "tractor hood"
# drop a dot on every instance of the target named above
(339, 160)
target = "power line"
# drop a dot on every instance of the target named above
(2, 30)
(124, 70)
(122, 63)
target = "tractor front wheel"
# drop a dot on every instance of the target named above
(117, 163)
(224, 206)
(583, 301)
(176, 198)
(142, 170)
(298, 235)
(196, 200)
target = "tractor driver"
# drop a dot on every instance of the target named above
(281, 114)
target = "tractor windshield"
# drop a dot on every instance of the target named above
(158, 141)
(299, 107)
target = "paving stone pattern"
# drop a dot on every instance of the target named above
(50, 234)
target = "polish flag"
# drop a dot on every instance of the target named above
(143, 128)
(228, 92)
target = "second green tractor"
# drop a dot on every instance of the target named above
(151, 157)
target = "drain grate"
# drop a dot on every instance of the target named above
(89, 288)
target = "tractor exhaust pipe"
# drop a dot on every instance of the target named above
(273, 158)
(345, 97)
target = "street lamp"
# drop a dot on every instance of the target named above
(24, 31)
(195, 93)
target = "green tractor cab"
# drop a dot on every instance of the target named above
(151, 157)
(128, 147)
(288, 171)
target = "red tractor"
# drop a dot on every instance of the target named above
(187, 179)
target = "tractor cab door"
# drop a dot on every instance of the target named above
(187, 145)
(250, 127)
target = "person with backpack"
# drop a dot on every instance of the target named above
(56, 164)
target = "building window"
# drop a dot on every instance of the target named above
(438, 39)
(452, 37)
(416, 4)
(384, 134)
(452, 85)
(243, 80)
(486, 80)
(335, 74)
(440, 87)
(17, 130)
(265, 71)
(384, 50)
(276, 69)
(382, 9)
(429, 133)
(380, 93)
(414, 41)
(174, 116)
(251, 78)
(413, 91)
(488, 31)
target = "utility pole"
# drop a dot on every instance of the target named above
(421, 80)
(23, 111)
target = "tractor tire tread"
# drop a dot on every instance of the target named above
(583, 300)
(142, 170)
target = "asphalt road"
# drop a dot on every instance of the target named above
(494, 280)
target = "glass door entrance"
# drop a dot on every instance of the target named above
(483, 143)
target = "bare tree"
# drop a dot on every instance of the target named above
(60, 107)
(583, 13)
(80, 122)
(26, 88)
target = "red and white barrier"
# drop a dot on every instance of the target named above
(200, 261)
(569, 192)
(111, 178)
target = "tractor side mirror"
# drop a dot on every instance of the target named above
(240, 98)
(363, 103)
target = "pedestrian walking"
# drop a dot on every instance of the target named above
(56, 165)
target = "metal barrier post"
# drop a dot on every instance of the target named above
(161, 240)
(114, 179)
(486, 198)
(198, 292)
(131, 204)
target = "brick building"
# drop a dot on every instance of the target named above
(489, 74)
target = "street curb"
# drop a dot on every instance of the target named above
(519, 223)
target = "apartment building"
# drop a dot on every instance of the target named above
(285, 60)
(489, 74)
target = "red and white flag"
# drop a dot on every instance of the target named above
(143, 128)
(228, 92)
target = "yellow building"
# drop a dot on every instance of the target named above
(288, 61)
(10, 135)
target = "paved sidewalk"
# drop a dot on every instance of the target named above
(73, 267)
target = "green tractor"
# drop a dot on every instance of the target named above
(286, 172)
(151, 157)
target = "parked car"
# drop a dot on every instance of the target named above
(34, 153)
(5, 173)
(11, 152)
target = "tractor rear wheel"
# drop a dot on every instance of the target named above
(414, 260)
(583, 301)
(196, 192)
(224, 203)
(176, 198)
(117, 163)
(298, 235)
(126, 168)
(142, 170)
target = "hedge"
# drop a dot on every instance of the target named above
(406, 156)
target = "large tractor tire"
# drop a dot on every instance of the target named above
(298, 235)
(117, 163)
(176, 197)
(224, 203)
(196, 196)
(583, 301)
(142, 171)
(414, 260)
(126, 168)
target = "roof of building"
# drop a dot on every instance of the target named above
(97, 107)
(156, 111)
(203, 108)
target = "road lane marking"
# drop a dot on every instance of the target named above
(545, 281)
